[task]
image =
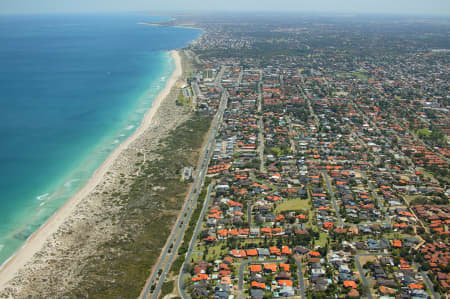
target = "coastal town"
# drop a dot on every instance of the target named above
(288, 155)
(328, 177)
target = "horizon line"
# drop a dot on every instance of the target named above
(171, 12)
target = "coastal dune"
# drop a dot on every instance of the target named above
(15, 272)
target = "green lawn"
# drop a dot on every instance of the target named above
(215, 251)
(396, 235)
(410, 198)
(361, 76)
(357, 75)
(196, 257)
(183, 101)
(293, 204)
(423, 132)
(322, 239)
(167, 288)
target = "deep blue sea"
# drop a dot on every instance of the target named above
(72, 87)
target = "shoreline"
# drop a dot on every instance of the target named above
(10, 268)
(187, 26)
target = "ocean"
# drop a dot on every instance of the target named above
(72, 88)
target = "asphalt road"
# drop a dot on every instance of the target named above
(171, 241)
(333, 200)
(311, 110)
(262, 169)
(177, 244)
(380, 204)
(197, 93)
(366, 283)
(196, 89)
(301, 280)
(176, 236)
(192, 243)
(199, 178)
(429, 285)
(260, 133)
(428, 282)
(291, 132)
(361, 270)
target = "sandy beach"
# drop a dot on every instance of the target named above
(32, 259)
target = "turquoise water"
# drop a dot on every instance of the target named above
(72, 88)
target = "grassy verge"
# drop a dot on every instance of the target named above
(167, 288)
(176, 266)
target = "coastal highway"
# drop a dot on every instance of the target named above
(180, 280)
(166, 258)
(173, 243)
(211, 141)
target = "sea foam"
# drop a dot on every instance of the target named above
(43, 196)
(69, 183)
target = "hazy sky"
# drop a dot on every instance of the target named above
(441, 7)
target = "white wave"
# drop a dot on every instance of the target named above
(122, 135)
(130, 127)
(1, 247)
(42, 203)
(69, 183)
(43, 196)
(116, 141)
(41, 211)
